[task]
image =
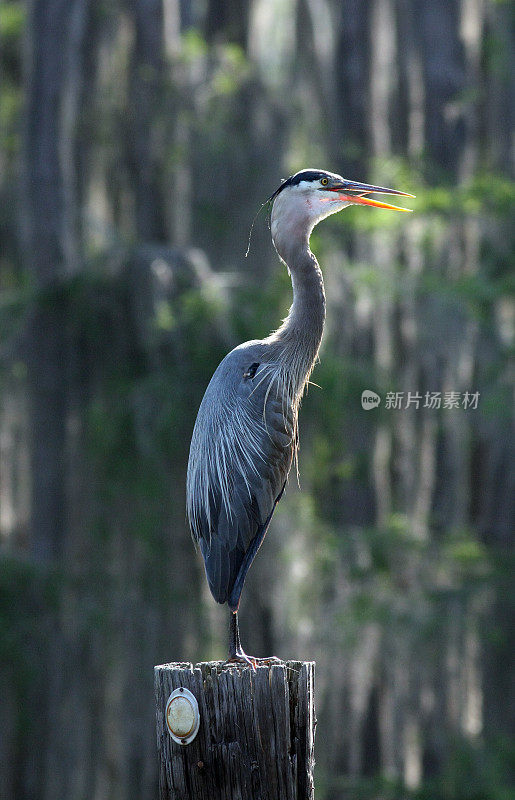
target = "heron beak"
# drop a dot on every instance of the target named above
(352, 192)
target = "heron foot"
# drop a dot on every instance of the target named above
(269, 661)
(236, 653)
(243, 659)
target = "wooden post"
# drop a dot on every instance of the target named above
(256, 735)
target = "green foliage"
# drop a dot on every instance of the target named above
(473, 771)
(139, 419)
(12, 21)
(488, 195)
(194, 46)
(28, 595)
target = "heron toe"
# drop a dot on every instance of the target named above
(242, 659)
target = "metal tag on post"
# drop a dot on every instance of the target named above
(182, 715)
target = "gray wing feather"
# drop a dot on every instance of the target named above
(241, 452)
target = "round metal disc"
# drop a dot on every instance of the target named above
(182, 715)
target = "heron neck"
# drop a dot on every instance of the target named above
(300, 334)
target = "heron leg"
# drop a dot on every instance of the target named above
(236, 652)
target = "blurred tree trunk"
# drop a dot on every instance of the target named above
(227, 21)
(497, 83)
(56, 30)
(43, 214)
(438, 25)
(392, 439)
(352, 59)
(145, 98)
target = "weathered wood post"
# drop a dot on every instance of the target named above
(256, 735)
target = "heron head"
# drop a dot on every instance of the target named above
(310, 195)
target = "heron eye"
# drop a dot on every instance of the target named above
(324, 181)
(251, 371)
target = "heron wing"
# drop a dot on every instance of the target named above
(240, 456)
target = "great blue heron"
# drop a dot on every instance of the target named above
(245, 436)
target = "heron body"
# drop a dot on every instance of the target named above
(245, 436)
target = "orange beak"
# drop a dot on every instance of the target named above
(353, 192)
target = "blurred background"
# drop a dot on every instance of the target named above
(138, 139)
